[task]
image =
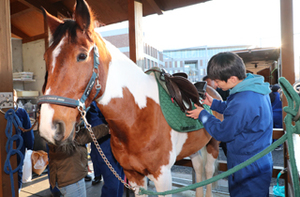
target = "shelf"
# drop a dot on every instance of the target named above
(28, 97)
(24, 80)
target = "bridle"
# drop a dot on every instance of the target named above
(80, 103)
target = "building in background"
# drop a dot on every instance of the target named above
(120, 39)
(193, 61)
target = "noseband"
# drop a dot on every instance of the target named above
(80, 103)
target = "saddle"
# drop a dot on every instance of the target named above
(182, 90)
(173, 105)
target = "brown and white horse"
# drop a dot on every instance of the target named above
(141, 139)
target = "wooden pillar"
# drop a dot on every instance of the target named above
(6, 86)
(287, 60)
(135, 15)
(287, 44)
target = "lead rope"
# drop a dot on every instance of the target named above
(12, 119)
(89, 127)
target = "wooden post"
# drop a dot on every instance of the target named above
(287, 44)
(135, 15)
(287, 61)
(6, 86)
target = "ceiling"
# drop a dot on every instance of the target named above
(259, 54)
(27, 20)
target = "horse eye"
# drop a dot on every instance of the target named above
(81, 57)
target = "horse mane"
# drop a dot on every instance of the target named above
(68, 27)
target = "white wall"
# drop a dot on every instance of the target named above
(33, 61)
(17, 60)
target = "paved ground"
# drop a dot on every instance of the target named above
(39, 186)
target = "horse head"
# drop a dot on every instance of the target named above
(73, 67)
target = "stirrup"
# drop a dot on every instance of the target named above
(201, 88)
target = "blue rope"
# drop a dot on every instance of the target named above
(12, 119)
(278, 190)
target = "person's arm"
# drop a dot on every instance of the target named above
(214, 104)
(235, 119)
(84, 137)
(218, 106)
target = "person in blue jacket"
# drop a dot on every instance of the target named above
(112, 186)
(276, 106)
(247, 125)
(28, 136)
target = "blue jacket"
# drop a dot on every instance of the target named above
(112, 186)
(247, 129)
(28, 138)
(277, 110)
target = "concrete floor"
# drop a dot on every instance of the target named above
(39, 186)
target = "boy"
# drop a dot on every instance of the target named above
(247, 126)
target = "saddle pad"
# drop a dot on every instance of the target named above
(172, 113)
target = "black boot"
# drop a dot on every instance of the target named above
(87, 178)
(96, 180)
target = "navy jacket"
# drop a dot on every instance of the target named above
(247, 129)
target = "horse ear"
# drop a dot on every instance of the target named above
(52, 21)
(82, 15)
(45, 83)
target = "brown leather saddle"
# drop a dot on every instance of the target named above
(181, 89)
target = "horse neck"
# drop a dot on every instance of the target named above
(125, 75)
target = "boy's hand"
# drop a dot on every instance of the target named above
(195, 112)
(208, 99)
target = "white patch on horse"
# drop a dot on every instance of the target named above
(47, 92)
(164, 181)
(121, 70)
(56, 52)
(46, 129)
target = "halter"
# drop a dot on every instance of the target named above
(80, 103)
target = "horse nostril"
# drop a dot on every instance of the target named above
(59, 131)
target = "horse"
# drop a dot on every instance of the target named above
(141, 139)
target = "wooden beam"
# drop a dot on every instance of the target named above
(287, 45)
(53, 9)
(155, 6)
(16, 14)
(6, 86)
(30, 5)
(42, 3)
(277, 133)
(33, 38)
(16, 7)
(18, 32)
(136, 45)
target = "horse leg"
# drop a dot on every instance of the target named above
(209, 171)
(197, 161)
(164, 181)
(212, 152)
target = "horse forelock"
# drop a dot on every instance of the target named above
(70, 28)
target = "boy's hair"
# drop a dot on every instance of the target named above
(224, 65)
(205, 78)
